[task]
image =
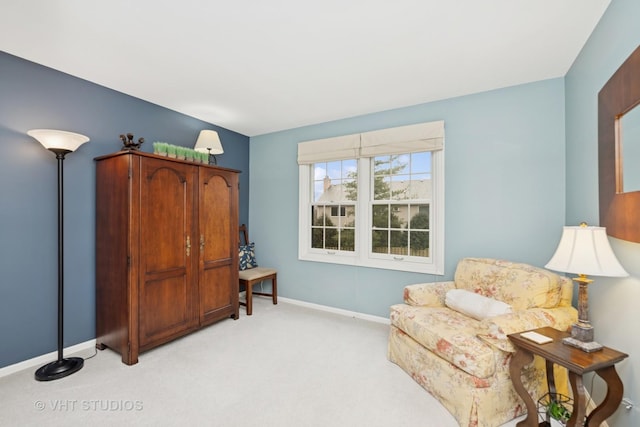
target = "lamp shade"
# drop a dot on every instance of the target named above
(58, 139)
(585, 250)
(209, 142)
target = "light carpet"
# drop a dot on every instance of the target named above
(285, 365)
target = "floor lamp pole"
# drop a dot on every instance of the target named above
(61, 367)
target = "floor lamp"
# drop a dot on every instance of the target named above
(60, 143)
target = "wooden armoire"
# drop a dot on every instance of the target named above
(166, 249)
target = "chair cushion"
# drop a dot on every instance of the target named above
(447, 333)
(247, 256)
(256, 273)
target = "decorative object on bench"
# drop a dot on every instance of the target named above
(250, 273)
(464, 361)
(585, 251)
(128, 144)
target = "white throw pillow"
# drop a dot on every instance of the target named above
(475, 305)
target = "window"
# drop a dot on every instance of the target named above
(333, 209)
(400, 204)
(374, 199)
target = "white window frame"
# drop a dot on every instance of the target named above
(362, 256)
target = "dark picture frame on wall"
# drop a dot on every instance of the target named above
(620, 95)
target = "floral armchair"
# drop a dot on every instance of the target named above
(456, 347)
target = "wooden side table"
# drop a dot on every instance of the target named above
(577, 363)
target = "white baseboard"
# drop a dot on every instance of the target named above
(45, 358)
(340, 311)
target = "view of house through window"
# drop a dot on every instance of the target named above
(399, 204)
(333, 212)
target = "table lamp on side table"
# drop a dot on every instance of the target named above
(585, 250)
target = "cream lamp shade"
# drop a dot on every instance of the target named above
(585, 250)
(58, 139)
(209, 142)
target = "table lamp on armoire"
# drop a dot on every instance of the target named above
(60, 143)
(209, 142)
(585, 251)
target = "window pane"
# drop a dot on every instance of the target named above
(318, 190)
(332, 221)
(320, 215)
(316, 216)
(419, 242)
(349, 216)
(421, 162)
(382, 188)
(335, 181)
(420, 187)
(381, 165)
(399, 188)
(401, 179)
(334, 170)
(317, 238)
(400, 164)
(420, 217)
(380, 242)
(331, 238)
(391, 178)
(349, 168)
(380, 216)
(347, 239)
(350, 190)
(399, 216)
(399, 243)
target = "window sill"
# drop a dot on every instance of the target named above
(385, 264)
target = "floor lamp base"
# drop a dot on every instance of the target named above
(59, 369)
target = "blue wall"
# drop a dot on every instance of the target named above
(613, 302)
(33, 96)
(504, 191)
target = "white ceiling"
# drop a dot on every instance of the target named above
(259, 66)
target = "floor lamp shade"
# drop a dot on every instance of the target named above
(60, 143)
(58, 139)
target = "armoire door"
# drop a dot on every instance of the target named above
(218, 228)
(167, 290)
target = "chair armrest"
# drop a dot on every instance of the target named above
(427, 294)
(494, 330)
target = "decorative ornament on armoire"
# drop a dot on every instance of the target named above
(128, 144)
